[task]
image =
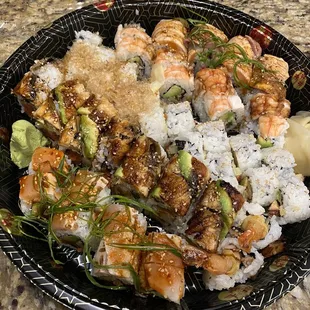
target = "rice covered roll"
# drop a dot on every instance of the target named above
(277, 158)
(250, 266)
(179, 119)
(163, 271)
(246, 152)
(221, 166)
(182, 180)
(125, 225)
(295, 200)
(153, 124)
(215, 97)
(264, 185)
(140, 168)
(214, 136)
(134, 45)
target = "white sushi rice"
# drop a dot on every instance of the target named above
(247, 152)
(220, 282)
(220, 166)
(193, 144)
(214, 136)
(277, 158)
(248, 208)
(179, 119)
(153, 125)
(50, 74)
(264, 183)
(296, 200)
(274, 233)
(89, 37)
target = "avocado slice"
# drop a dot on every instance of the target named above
(185, 163)
(173, 92)
(156, 192)
(227, 211)
(90, 134)
(248, 193)
(83, 111)
(136, 60)
(37, 209)
(119, 172)
(229, 118)
(264, 143)
(60, 100)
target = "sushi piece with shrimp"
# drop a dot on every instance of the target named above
(134, 45)
(271, 130)
(203, 37)
(170, 34)
(162, 271)
(171, 54)
(122, 226)
(140, 169)
(215, 98)
(242, 48)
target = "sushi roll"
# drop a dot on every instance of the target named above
(246, 152)
(264, 185)
(276, 66)
(140, 169)
(295, 204)
(124, 226)
(203, 37)
(278, 159)
(215, 98)
(250, 267)
(163, 271)
(134, 45)
(153, 124)
(72, 227)
(221, 166)
(69, 96)
(48, 120)
(241, 46)
(179, 119)
(170, 34)
(214, 214)
(271, 130)
(114, 143)
(171, 54)
(214, 135)
(183, 178)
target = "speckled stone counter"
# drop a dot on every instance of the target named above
(19, 19)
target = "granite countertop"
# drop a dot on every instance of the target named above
(19, 19)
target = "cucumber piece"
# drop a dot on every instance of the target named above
(264, 143)
(173, 92)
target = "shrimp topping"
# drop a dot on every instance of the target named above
(266, 104)
(271, 125)
(254, 228)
